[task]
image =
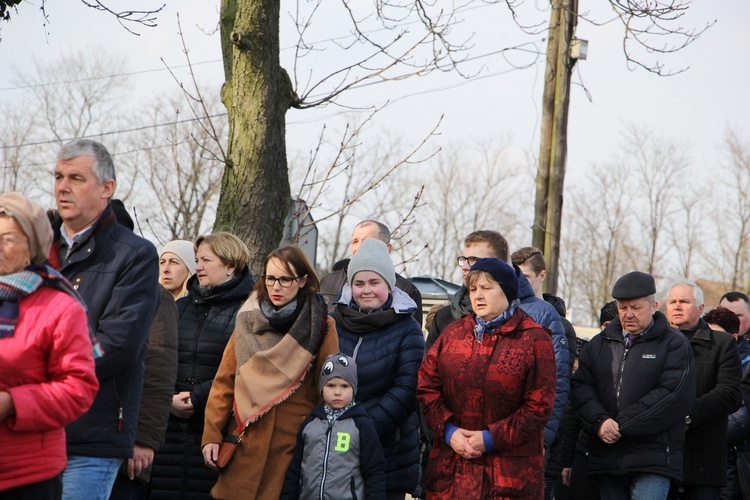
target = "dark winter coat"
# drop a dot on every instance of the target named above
(505, 384)
(388, 357)
(570, 333)
(340, 460)
(647, 389)
(158, 382)
(545, 315)
(116, 273)
(718, 374)
(332, 283)
(205, 325)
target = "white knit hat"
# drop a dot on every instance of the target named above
(372, 255)
(183, 249)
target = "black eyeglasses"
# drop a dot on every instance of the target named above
(284, 281)
(463, 260)
(328, 368)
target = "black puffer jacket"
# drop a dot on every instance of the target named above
(205, 325)
(647, 389)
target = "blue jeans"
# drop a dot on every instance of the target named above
(89, 477)
(633, 487)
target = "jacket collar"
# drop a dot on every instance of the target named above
(702, 332)
(87, 245)
(657, 328)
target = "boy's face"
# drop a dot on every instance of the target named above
(338, 393)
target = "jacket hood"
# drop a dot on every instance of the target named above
(524, 287)
(402, 303)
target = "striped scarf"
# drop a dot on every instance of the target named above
(14, 287)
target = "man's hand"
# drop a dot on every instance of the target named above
(566, 475)
(7, 408)
(182, 406)
(460, 444)
(142, 458)
(211, 455)
(609, 431)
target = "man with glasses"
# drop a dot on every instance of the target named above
(483, 244)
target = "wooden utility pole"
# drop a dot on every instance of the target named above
(553, 149)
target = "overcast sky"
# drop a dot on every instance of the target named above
(502, 99)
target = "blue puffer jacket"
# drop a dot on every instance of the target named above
(545, 314)
(388, 357)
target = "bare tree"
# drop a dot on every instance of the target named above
(77, 95)
(688, 234)
(179, 166)
(258, 91)
(16, 129)
(600, 232)
(658, 163)
(466, 189)
(344, 182)
(734, 214)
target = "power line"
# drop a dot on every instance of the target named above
(113, 132)
(212, 61)
(105, 77)
(366, 84)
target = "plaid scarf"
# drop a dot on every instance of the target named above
(270, 364)
(14, 287)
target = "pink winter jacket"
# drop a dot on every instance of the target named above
(48, 368)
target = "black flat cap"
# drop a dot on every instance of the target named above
(634, 286)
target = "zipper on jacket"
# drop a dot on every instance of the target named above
(619, 376)
(667, 454)
(356, 348)
(325, 460)
(119, 418)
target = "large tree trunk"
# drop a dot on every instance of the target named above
(255, 194)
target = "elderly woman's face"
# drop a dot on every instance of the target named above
(210, 269)
(14, 247)
(487, 297)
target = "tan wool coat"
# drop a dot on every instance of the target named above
(259, 465)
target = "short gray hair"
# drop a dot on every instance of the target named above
(104, 168)
(384, 234)
(697, 291)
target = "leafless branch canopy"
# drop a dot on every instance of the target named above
(397, 39)
(653, 26)
(128, 17)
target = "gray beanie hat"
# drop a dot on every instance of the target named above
(342, 366)
(33, 221)
(373, 255)
(185, 250)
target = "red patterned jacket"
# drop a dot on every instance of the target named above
(506, 385)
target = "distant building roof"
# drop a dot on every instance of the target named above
(433, 288)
